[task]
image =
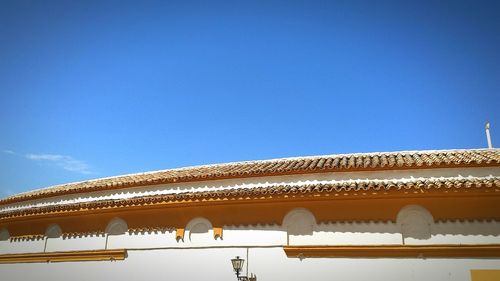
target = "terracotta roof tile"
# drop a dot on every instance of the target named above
(451, 184)
(313, 164)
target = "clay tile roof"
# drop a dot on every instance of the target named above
(275, 167)
(483, 184)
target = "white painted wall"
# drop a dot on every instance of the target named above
(91, 242)
(24, 246)
(232, 237)
(269, 264)
(370, 233)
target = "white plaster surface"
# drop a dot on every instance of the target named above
(346, 238)
(231, 238)
(360, 233)
(269, 264)
(94, 242)
(143, 240)
(17, 247)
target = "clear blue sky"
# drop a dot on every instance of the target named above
(90, 89)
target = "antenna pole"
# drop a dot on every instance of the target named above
(488, 137)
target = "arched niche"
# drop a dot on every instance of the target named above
(299, 221)
(198, 230)
(53, 231)
(415, 222)
(4, 234)
(116, 226)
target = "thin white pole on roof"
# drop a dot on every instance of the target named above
(488, 137)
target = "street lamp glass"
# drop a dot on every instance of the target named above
(237, 263)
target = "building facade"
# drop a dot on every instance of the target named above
(413, 215)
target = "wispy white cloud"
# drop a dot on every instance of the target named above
(68, 163)
(6, 151)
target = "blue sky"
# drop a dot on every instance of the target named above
(90, 89)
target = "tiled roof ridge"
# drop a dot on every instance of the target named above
(128, 181)
(293, 184)
(487, 184)
(309, 157)
(365, 154)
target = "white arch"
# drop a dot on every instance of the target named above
(411, 210)
(116, 226)
(415, 222)
(198, 229)
(4, 234)
(199, 220)
(53, 231)
(299, 221)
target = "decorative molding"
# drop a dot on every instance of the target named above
(27, 237)
(360, 190)
(142, 230)
(217, 233)
(269, 209)
(415, 222)
(53, 231)
(395, 251)
(198, 220)
(179, 234)
(72, 256)
(299, 221)
(116, 226)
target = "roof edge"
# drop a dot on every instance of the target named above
(450, 158)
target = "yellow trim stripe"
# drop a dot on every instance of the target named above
(72, 256)
(395, 251)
